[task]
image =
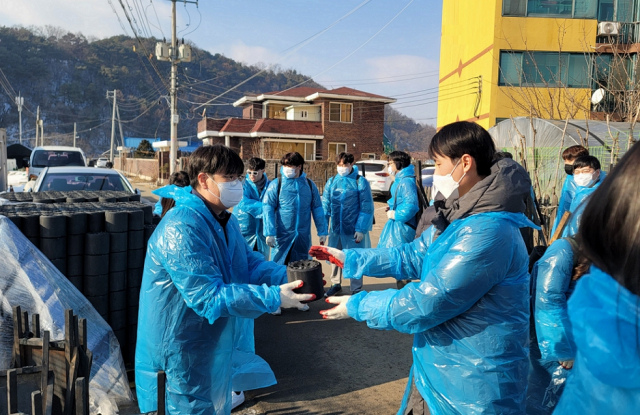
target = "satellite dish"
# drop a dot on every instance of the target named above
(598, 95)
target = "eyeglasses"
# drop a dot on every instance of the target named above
(253, 173)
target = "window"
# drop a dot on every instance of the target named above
(340, 112)
(371, 167)
(336, 148)
(368, 156)
(582, 9)
(52, 158)
(304, 114)
(544, 69)
(276, 111)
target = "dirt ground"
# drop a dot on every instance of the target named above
(328, 367)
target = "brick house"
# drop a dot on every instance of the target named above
(315, 122)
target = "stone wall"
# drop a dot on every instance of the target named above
(146, 169)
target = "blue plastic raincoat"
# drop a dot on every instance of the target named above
(605, 378)
(250, 371)
(348, 202)
(288, 217)
(551, 338)
(566, 197)
(195, 283)
(404, 200)
(249, 214)
(167, 192)
(157, 208)
(578, 204)
(469, 312)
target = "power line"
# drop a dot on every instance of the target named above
(383, 77)
(159, 27)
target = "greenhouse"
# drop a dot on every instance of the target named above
(538, 144)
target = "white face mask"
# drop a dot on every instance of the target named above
(446, 185)
(585, 179)
(344, 171)
(290, 172)
(391, 172)
(230, 192)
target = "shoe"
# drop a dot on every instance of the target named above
(305, 307)
(277, 312)
(335, 289)
(237, 399)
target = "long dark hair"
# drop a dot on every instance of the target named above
(610, 225)
(180, 179)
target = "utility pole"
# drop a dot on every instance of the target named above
(37, 124)
(113, 124)
(173, 155)
(19, 103)
(74, 134)
(120, 125)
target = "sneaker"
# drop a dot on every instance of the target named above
(277, 312)
(237, 398)
(305, 307)
(335, 289)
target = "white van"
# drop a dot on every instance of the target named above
(50, 156)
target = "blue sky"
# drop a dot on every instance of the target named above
(401, 59)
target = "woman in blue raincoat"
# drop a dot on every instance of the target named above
(553, 350)
(569, 155)
(348, 204)
(199, 276)
(403, 205)
(469, 312)
(604, 309)
(178, 178)
(288, 205)
(249, 210)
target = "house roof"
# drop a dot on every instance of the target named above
(264, 127)
(304, 93)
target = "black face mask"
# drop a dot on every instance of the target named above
(568, 168)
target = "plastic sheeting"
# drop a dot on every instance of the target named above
(288, 217)
(551, 338)
(198, 278)
(605, 378)
(250, 371)
(29, 280)
(249, 214)
(349, 203)
(404, 201)
(469, 312)
(579, 202)
(544, 148)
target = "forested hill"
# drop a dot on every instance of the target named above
(68, 76)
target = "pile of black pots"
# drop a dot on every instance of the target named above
(99, 246)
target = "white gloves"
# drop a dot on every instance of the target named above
(338, 312)
(358, 237)
(271, 241)
(323, 239)
(391, 214)
(289, 299)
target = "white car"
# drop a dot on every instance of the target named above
(64, 179)
(50, 156)
(102, 162)
(375, 171)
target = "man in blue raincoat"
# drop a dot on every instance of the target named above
(469, 312)
(587, 177)
(348, 204)
(403, 204)
(199, 276)
(569, 155)
(288, 205)
(249, 210)
(553, 349)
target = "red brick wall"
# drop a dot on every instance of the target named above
(366, 130)
(144, 168)
(257, 111)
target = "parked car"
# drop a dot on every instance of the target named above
(65, 179)
(102, 162)
(427, 176)
(54, 156)
(375, 171)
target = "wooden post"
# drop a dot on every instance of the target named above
(44, 375)
(25, 324)
(47, 404)
(35, 325)
(17, 335)
(82, 401)
(162, 379)
(12, 391)
(36, 402)
(561, 225)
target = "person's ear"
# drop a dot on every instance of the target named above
(202, 180)
(467, 162)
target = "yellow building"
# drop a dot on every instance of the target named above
(503, 58)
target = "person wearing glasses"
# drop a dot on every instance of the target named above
(249, 210)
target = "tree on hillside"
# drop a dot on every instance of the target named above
(145, 150)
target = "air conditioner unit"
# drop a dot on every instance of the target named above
(184, 53)
(162, 51)
(609, 28)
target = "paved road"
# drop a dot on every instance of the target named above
(328, 367)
